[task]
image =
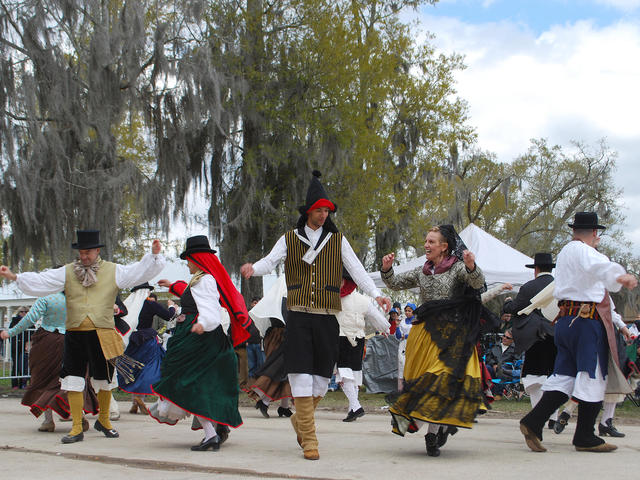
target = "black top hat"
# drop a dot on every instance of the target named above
(198, 243)
(316, 194)
(87, 239)
(542, 260)
(586, 221)
(141, 286)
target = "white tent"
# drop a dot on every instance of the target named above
(499, 262)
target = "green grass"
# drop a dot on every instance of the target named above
(373, 402)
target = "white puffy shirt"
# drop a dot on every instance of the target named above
(205, 294)
(583, 274)
(357, 310)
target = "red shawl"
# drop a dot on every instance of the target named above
(230, 298)
(348, 287)
(442, 267)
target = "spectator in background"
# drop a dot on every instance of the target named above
(500, 361)
(19, 358)
(402, 333)
(394, 321)
(255, 355)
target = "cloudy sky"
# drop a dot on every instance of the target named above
(556, 69)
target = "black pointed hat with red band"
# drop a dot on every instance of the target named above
(316, 196)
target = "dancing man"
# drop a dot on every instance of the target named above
(90, 285)
(584, 336)
(533, 333)
(314, 254)
(357, 312)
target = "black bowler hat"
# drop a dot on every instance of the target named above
(542, 260)
(141, 286)
(87, 239)
(199, 243)
(586, 221)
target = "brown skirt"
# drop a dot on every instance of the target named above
(271, 379)
(45, 362)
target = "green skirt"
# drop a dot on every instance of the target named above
(199, 374)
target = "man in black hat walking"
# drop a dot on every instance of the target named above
(314, 254)
(583, 335)
(533, 333)
(91, 286)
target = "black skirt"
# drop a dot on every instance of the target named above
(311, 343)
(350, 356)
(540, 358)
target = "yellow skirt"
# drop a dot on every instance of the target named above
(431, 393)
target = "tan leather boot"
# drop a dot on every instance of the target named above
(306, 427)
(294, 423)
(141, 405)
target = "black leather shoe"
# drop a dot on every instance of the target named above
(609, 429)
(72, 438)
(223, 432)
(108, 432)
(431, 441)
(563, 420)
(264, 409)
(352, 416)
(212, 443)
(551, 424)
(284, 412)
(443, 434)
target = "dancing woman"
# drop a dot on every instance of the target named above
(199, 374)
(44, 394)
(271, 382)
(442, 385)
(144, 347)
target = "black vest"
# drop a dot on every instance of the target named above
(187, 302)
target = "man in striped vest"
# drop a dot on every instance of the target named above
(314, 254)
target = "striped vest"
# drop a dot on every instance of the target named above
(315, 286)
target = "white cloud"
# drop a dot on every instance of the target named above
(624, 5)
(575, 81)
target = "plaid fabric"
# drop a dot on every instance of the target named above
(582, 309)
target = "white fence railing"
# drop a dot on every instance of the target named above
(14, 356)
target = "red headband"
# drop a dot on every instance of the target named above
(323, 202)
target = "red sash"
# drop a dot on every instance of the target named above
(230, 298)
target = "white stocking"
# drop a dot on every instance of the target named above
(535, 394)
(285, 402)
(570, 407)
(433, 428)
(209, 429)
(609, 408)
(350, 389)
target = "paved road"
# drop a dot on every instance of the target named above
(266, 448)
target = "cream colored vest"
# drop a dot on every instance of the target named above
(94, 302)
